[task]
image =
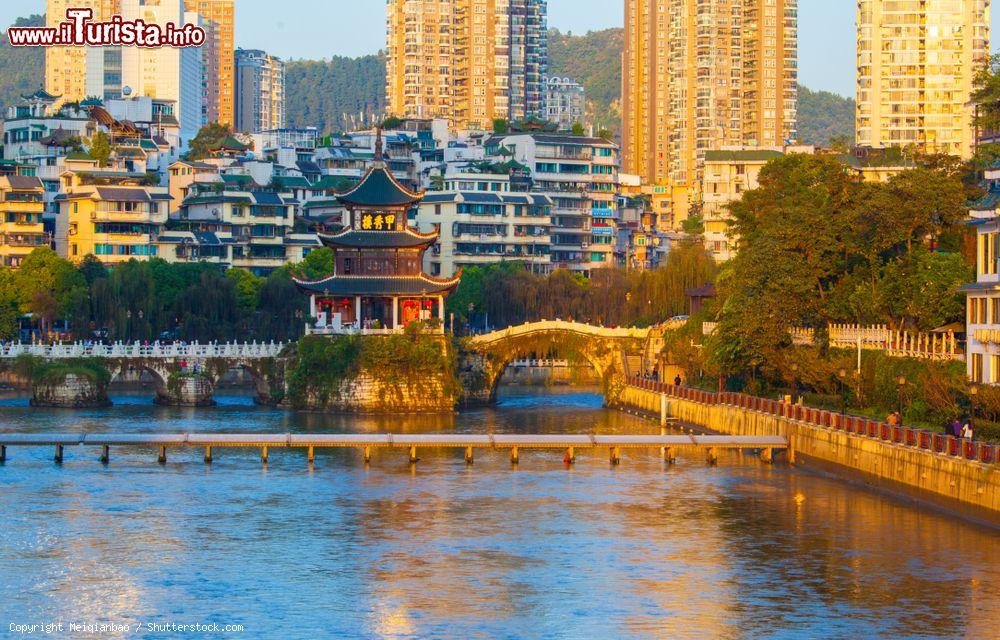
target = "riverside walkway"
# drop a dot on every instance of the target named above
(668, 445)
(137, 350)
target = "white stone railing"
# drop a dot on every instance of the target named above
(139, 350)
(560, 325)
(903, 344)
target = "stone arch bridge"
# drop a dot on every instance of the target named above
(614, 353)
(184, 374)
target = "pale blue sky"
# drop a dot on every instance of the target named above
(322, 28)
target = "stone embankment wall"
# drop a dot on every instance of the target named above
(367, 394)
(959, 475)
(70, 391)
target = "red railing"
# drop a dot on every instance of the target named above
(909, 436)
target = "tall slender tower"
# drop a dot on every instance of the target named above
(916, 64)
(702, 74)
(66, 67)
(469, 61)
(218, 58)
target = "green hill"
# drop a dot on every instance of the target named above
(327, 93)
(22, 69)
(595, 61)
(824, 115)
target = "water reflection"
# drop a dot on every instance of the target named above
(443, 550)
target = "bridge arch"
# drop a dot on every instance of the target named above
(605, 349)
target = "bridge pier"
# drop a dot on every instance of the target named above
(616, 456)
(670, 455)
(367, 455)
(767, 455)
(468, 455)
(713, 456)
(3, 453)
(208, 455)
(59, 454)
(413, 455)
(263, 455)
(162, 458)
(105, 454)
(570, 457)
(180, 389)
(513, 455)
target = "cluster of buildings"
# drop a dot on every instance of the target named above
(212, 83)
(709, 97)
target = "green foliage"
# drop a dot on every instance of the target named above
(317, 264)
(500, 126)
(694, 224)
(411, 360)
(248, 288)
(817, 247)
(331, 94)
(509, 294)
(22, 69)
(987, 94)
(595, 61)
(825, 119)
(53, 372)
(209, 137)
(577, 129)
(100, 148)
(392, 122)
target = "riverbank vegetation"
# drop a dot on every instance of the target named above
(144, 301)
(506, 294)
(414, 362)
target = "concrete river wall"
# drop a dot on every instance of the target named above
(959, 475)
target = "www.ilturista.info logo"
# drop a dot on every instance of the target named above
(78, 30)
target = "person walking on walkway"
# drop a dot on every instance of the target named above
(677, 380)
(967, 431)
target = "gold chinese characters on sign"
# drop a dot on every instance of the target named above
(378, 222)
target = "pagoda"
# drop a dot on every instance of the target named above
(378, 285)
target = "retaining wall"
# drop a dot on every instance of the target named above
(960, 475)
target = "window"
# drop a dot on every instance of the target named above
(976, 367)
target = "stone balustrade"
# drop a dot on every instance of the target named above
(155, 350)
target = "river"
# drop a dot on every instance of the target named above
(442, 550)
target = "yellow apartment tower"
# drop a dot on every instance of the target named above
(916, 63)
(66, 67)
(468, 61)
(218, 58)
(700, 75)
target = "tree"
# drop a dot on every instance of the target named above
(577, 129)
(248, 287)
(209, 137)
(923, 202)
(100, 149)
(986, 95)
(392, 122)
(500, 126)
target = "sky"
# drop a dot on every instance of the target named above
(324, 28)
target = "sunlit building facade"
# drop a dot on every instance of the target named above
(218, 61)
(703, 74)
(66, 67)
(469, 61)
(916, 64)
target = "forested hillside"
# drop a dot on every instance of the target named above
(335, 94)
(595, 61)
(22, 69)
(824, 116)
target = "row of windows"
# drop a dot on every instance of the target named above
(123, 249)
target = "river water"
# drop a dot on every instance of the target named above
(441, 550)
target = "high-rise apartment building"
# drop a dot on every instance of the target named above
(701, 75)
(260, 91)
(565, 101)
(916, 63)
(218, 58)
(165, 73)
(66, 67)
(469, 61)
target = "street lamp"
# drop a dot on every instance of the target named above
(900, 384)
(973, 393)
(842, 374)
(795, 380)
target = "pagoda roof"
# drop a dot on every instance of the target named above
(364, 239)
(379, 188)
(381, 285)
